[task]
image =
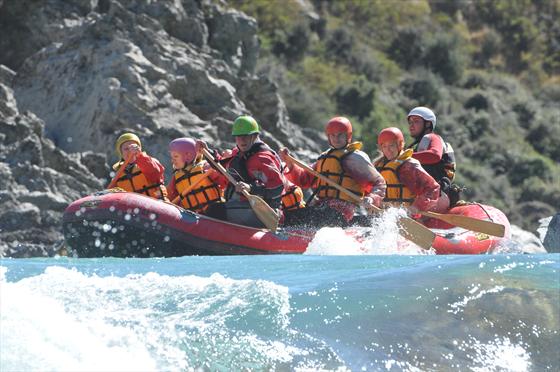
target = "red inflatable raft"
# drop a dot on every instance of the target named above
(122, 224)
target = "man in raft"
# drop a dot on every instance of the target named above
(142, 174)
(435, 155)
(345, 164)
(408, 184)
(257, 170)
(194, 185)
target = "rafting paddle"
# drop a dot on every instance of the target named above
(469, 223)
(262, 210)
(191, 187)
(120, 172)
(408, 228)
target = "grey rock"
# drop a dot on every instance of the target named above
(552, 238)
(234, 35)
(524, 242)
(6, 75)
(37, 181)
(8, 105)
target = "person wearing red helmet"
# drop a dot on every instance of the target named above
(343, 163)
(408, 184)
(189, 168)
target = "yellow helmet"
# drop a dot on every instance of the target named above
(125, 138)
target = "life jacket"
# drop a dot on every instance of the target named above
(397, 193)
(133, 180)
(205, 193)
(329, 165)
(237, 167)
(293, 198)
(446, 167)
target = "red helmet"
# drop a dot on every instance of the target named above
(389, 135)
(339, 124)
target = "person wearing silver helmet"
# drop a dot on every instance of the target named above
(435, 155)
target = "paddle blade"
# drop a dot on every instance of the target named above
(470, 223)
(474, 224)
(416, 232)
(264, 212)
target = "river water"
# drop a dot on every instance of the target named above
(284, 312)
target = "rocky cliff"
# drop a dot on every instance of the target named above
(76, 74)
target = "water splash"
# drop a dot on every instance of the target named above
(382, 238)
(150, 322)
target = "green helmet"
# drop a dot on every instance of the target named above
(244, 126)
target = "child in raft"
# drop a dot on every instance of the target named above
(194, 184)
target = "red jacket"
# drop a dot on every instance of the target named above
(264, 171)
(152, 169)
(420, 183)
(429, 149)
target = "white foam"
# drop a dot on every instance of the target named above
(382, 238)
(67, 321)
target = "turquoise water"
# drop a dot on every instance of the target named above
(424, 312)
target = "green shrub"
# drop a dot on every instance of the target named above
(291, 45)
(356, 98)
(407, 48)
(444, 57)
(491, 45)
(478, 102)
(544, 136)
(423, 90)
(339, 45)
(525, 166)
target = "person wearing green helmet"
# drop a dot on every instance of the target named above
(142, 174)
(256, 167)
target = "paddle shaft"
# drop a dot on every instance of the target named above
(120, 172)
(262, 210)
(222, 170)
(345, 191)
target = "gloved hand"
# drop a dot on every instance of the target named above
(372, 201)
(413, 212)
(242, 186)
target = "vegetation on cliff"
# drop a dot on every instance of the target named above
(490, 69)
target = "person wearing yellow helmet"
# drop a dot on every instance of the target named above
(348, 166)
(143, 174)
(256, 167)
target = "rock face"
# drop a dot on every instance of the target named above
(76, 74)
(37, 180)
(552, 238)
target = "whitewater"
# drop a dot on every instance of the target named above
(326, 310)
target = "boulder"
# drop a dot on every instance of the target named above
(552, 238)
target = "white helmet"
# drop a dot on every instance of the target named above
(425, 113)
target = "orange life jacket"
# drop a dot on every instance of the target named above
(397, 193)
(133, 180)
(329, 165)
(293, 198)
(205, 193)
